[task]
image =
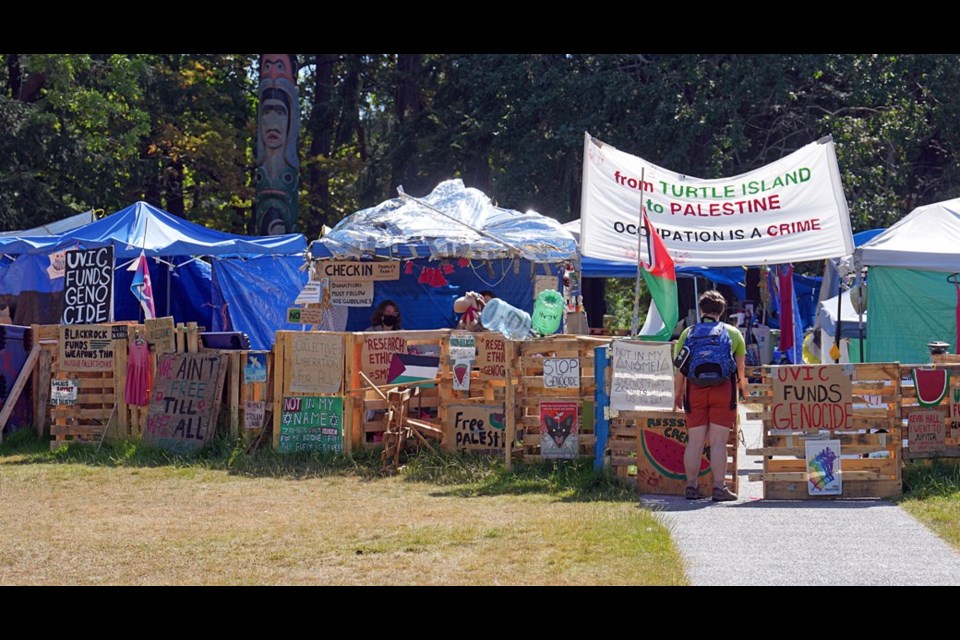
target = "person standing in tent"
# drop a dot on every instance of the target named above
(710, 359)
(386, 317)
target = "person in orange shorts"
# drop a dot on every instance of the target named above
(709, 357)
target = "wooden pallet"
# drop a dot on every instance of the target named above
(949, 407)
(875, 405)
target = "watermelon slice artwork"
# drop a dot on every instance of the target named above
(666, 455)
(932, 386)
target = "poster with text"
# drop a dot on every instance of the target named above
(491, 355)
(316, 362)
(559, 429)
(823, 468)
(88, 286)
(311, 423)
(926, 431)
(810, 398)
(642, 376)
(85, 348)
(185, 402)
(478, 428)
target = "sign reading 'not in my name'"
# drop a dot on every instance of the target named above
(182, 416)
(311, 423)
(88, 286)
(642, 376)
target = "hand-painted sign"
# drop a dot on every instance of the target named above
(478, 428)
(377, 354)
(559, 429)
(662, 438)
(491, 355)
(642, 376)
(810, 398)
(160, 333)
(186, 393)
(253, 414)
(926, 431)
(316, 362)
(88, 286)
(310, 423)
(351, 294)
(357, 270)
(823, 468)
(461, 374)
(463, 346)
(561, 373)
(255, 368)
(64, 391)
(118, 332)
(86, 348)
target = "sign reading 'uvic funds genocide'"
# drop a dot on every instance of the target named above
(88, 286)
(310, 423)
(810, 398)
(185, 401)
(85, 348)
(793, 209)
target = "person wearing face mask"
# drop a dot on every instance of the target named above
(386, 317)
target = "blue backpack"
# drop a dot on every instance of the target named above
(710, 360)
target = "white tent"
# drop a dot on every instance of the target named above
(54, 228)
(928, 239)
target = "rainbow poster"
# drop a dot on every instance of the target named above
(823, 468)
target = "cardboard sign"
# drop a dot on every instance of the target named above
(351, 294)
(491, 355)
(561, 373)
(356, 270)
(185, 401)
(823, 468)
(461, 374)
(463, 346)
(64, 391)
(662, 441)
(810, 398)
(544, 283)
(377, 354)
(88, 286)
(478, 428)
(926, 431)
(311, 424)
(642, 376)
(255, 368)
(955, 412)
(253, 414)
(559, 429)
(311, 315)
(316, 363)
(160, 333)
(87, 348)
(118, 332)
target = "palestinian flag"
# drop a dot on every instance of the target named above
(661, 279)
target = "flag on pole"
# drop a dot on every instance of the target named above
(141, 288)
(661, 278)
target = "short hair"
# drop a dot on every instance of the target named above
(712, 303)
(487, 292)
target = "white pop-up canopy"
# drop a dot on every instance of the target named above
(928, 239)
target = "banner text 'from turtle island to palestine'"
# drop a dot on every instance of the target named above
(791, 210)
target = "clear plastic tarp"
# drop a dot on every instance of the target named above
(475, 228)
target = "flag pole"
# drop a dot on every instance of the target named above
(636, 293)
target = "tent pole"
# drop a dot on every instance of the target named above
(168, 291)
(836, 338)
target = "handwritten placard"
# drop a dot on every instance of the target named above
(823, 468)
(351, 294)
(182, 416)
(309, 423)
(810, 398)
(255, 368)
(559, 429)
(316, 362)
(377, 354)
(356, 270)
(64, 391)
(309, 315)
(661, 444)
(118, 332)
(642, 376)
(86, 348)
(478, 428)
(88, 286)
(160, 333)
(926, 431)
(463, 346)
(491, 355)
(253, 414)
(561, 373)
(955, 412)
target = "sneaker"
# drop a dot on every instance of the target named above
(723, 494)
(694, 493)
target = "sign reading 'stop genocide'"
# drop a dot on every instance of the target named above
(88, 286)
(357, 270)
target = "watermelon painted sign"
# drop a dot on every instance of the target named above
(925, 431)
(662, 438)
(932, 386)
(642, 376)
(810, 398)
(823, 468)
(461, 375)
(310, 423)
(559, 429)
(182, 416)
(477, 428)
(491, 355)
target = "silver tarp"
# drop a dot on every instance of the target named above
(401, 227)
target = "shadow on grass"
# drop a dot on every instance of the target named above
(464, 476)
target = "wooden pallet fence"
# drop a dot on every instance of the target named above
(556, 377)
(935, 431)
(311, 404)
(856, 404)
(371, 353)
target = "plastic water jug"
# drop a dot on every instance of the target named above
(502, 317)
(548, 312)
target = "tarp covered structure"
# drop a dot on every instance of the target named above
(909, 298)
(484, 247)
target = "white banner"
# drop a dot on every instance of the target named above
(791, 210)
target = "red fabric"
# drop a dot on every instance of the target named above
(711, 405)
(786, 308)
(137, 389)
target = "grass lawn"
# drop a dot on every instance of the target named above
(931, 492)
(134, 516)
